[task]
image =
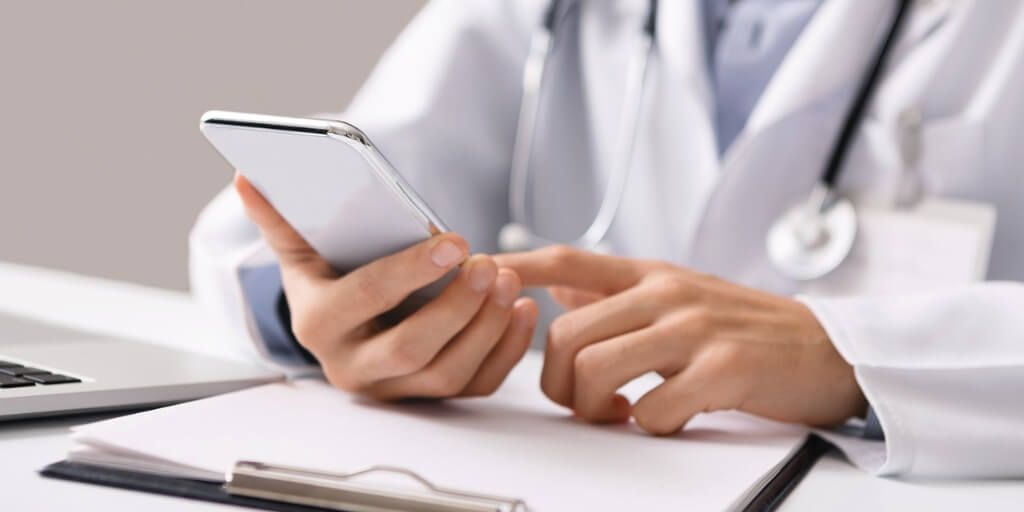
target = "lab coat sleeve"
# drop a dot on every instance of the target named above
(944, 373)
(441, 105)
(222, 245)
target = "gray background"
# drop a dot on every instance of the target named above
(102, 166)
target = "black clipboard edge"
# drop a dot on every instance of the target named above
(791, 473)
(165, 485)
(768, 498)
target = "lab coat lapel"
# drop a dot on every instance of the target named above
(832, 53)
(675, 162)
(779, 156)
(828, 58)
(676, 154)
(682, 42)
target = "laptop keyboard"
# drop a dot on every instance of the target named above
(15, 375)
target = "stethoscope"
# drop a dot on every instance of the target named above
(808, 241)
(517, 235)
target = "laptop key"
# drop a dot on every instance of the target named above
(51, 378)
(6, 381)
(21, 371)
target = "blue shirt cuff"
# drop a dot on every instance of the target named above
(872, 428)
(269, 307)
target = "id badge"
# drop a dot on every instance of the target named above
(940, 243)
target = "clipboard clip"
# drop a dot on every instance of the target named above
(340, 491)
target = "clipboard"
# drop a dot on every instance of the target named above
(515, 443)
(288, 489)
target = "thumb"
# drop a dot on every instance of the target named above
(705, 386)
(293, 251)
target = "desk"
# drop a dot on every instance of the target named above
(171, 318)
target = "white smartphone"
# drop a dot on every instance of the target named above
(328, 181)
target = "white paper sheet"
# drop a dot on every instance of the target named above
(515, 443)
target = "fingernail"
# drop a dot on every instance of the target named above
(505, 290)
(621, 409)
(524, 319)
(481, 276)
(446, 254)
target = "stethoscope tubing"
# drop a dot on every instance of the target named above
(533, 76)
(867, 88)
(632, 112)
(819, 201)
(541, 46)
(814, 237)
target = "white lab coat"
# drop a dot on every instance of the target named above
(943, 370)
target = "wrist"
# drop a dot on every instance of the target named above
(834, 376)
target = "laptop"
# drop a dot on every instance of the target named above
(47, 370)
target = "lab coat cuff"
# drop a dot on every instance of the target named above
(864, 449)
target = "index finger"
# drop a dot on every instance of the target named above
(560, 265)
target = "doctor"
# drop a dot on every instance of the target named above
(746, 114)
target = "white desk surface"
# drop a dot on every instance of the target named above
(171, 318)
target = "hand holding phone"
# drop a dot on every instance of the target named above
(462, 343)
(354, 241)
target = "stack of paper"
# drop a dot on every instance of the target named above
(515, 443)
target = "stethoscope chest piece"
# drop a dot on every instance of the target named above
(811, 240)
